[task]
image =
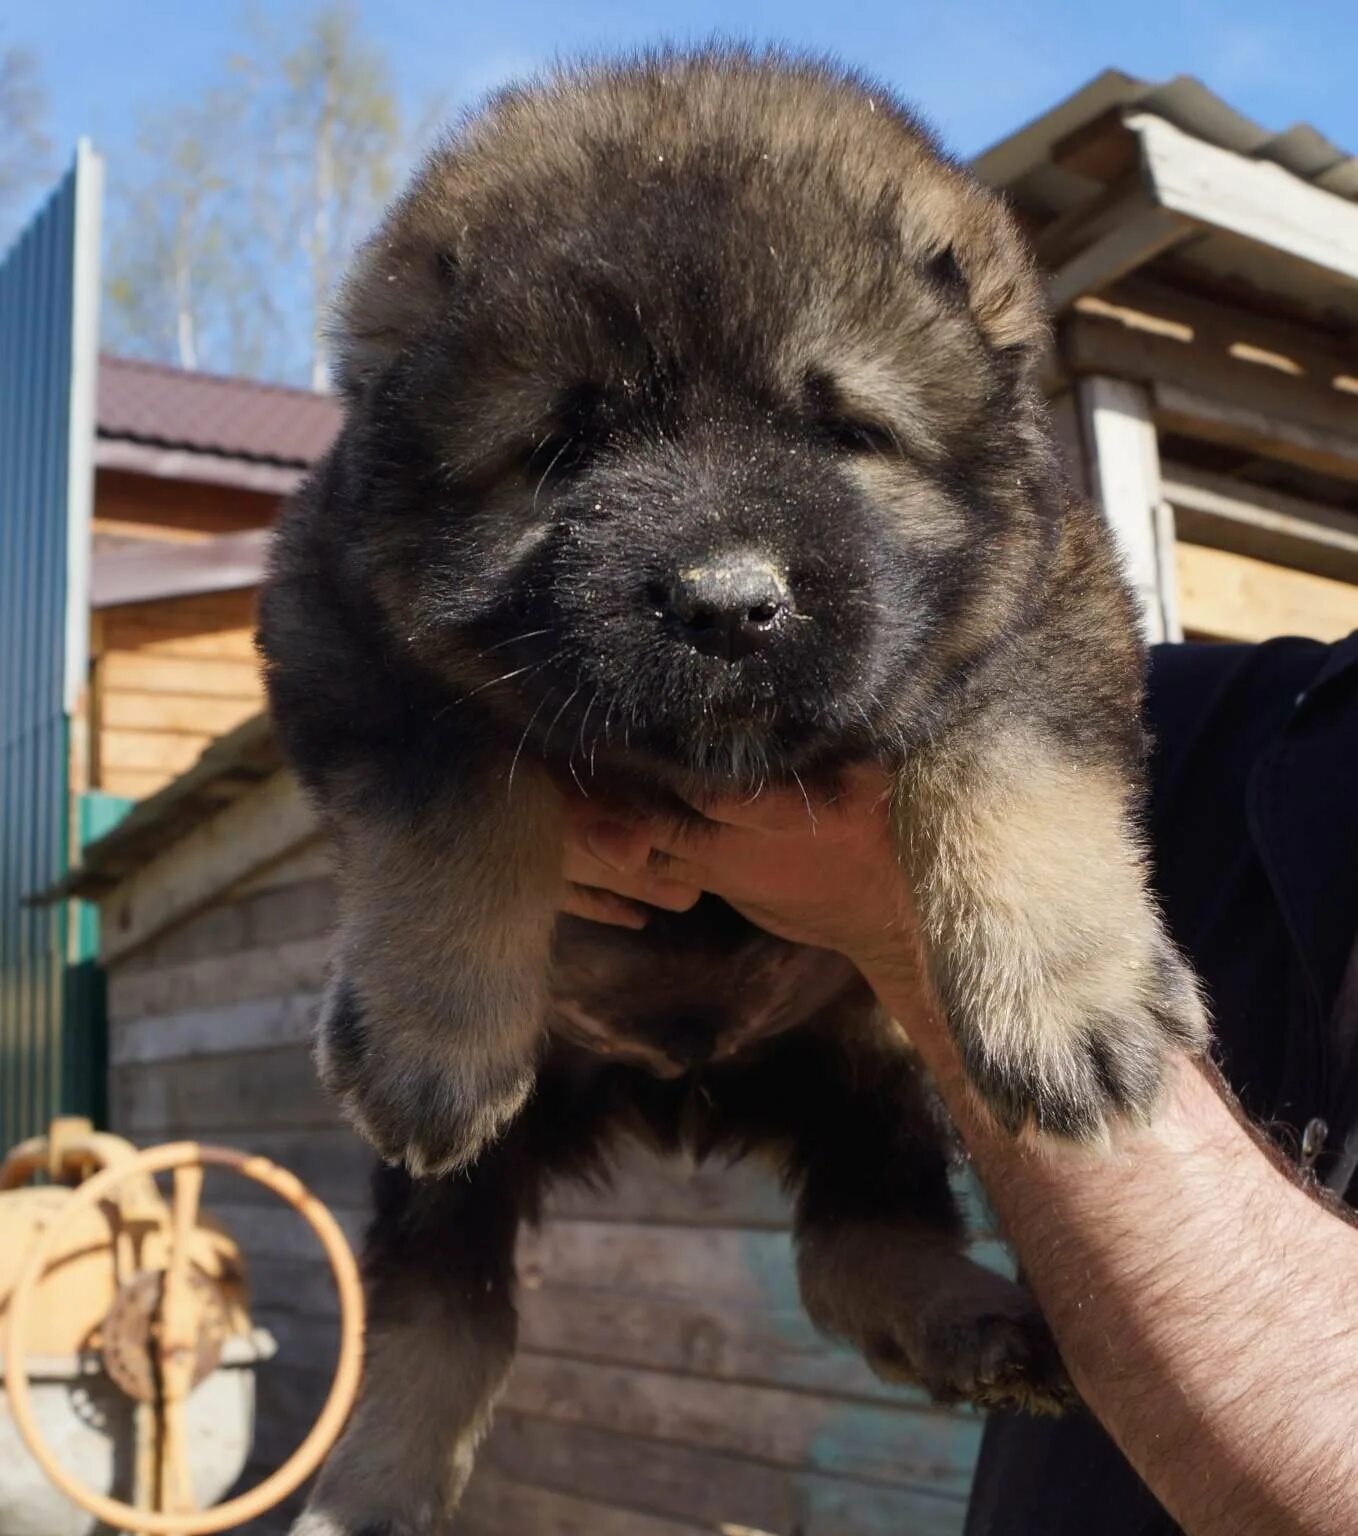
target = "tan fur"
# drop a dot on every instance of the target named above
(478, 906)
(1033, 893)
(530, 139)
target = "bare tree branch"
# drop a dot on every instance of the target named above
(25, 151)
(227, 247)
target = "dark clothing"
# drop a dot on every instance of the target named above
(1254, 823)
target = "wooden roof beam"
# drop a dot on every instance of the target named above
(1162, 186)
(1321, 353)
(1219, 397)
(1231, 514)
(163, 568)
(1253, 430)
(1254, 199)
(1142, 234)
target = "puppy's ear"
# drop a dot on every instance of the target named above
(1004, 287)
(400, 284)
(971, 251)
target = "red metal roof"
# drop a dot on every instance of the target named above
(208, 413)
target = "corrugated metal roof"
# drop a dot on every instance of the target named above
(208, 413)
(1022, 166)
(1020, 161)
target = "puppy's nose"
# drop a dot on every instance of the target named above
(728, 606)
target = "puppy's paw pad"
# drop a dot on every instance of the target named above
(1004, 1358)
(1074, 1082)
(925, 1313)
(432, 1122)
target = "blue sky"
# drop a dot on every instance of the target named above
(977, 68)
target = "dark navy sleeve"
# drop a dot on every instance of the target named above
(1253, 826)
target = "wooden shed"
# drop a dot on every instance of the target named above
(1204, 276)
(189, 472)
(1205, 380)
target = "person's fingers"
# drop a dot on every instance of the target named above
(580, 865)
(617, 845)
(772, 810)
(603, 907)
(659, 867)
(650, 886)
(673, 895)
(795, 809)
(671, 843)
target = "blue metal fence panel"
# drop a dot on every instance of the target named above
(48, 358)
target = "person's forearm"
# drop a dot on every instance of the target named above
(1206, 1306)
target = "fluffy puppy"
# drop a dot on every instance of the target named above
(693, 444)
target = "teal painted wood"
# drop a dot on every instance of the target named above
(97, 812)
(84, 1032)
(48, 356)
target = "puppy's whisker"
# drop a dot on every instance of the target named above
(499, 645)
(526, 671)
(532, 666)
(550, 467)
(594, 741)
(807, 798)
(584, 720)
(570, 763)
(514, 762)
(546, 740)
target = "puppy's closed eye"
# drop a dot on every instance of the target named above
(842, 424)
(945, 272)
(574, 433)
(858, 434)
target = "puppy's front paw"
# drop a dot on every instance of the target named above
(1073, 1063)
(423, 1107)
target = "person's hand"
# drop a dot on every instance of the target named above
(822, 873)
(621, 894)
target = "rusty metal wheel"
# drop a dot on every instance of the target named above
(163, 1336)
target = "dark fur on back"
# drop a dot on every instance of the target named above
(693, 443)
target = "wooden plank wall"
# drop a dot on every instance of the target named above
(132, 506)
(169, 677)
(669, 1383)
(1227, 596)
